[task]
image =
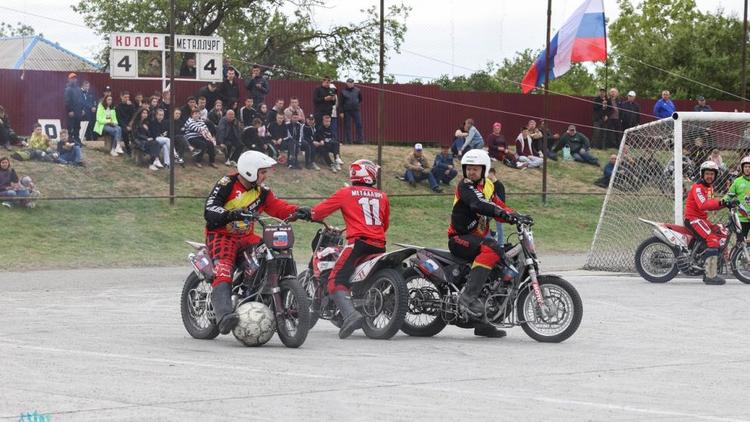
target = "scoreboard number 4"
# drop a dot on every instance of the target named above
(126, 63)
(209, 67)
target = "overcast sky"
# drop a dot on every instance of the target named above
(467, 33)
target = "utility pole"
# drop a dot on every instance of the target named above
(172, 98)
(744, 57)
(380, 92)
(546, 104)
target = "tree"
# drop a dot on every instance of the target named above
(260, 31)
(17, 30)
(666, 44)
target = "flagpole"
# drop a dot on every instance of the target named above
(546, 105)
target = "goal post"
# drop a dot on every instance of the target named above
(657, 162)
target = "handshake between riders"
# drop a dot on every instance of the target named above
(366, 213)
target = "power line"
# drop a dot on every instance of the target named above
(45, 17)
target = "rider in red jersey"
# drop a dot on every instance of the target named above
(366, 213)
(700, 199)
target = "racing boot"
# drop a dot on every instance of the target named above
(488, 330)
(711, 277)
(352, 318)
(221, 299)
(469, 297)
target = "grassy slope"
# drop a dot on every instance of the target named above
(148, 232)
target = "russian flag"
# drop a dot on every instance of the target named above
(581, 39)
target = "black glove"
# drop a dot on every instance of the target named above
(730, 203)
(525, 219)
(302, 213)
(511, 218)
(237, 215)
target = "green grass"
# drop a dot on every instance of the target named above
(148, 232)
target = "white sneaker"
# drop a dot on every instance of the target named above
(339, 162)
(338, 167)
(153, 167)
(158, 164)
(334, 169)
(316, 167)
(119, 149)
(113, 153)
(228, 163)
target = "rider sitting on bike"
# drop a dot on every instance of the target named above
(366, 212)
(741, 190)
(229, 229)
(474, 204)
(699, 200)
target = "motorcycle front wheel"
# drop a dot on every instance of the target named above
(423, 317)
(196, 309)
(294, 321)
(740, 263)
(656, 261)
(313, 292)
(386, 301)
(565, 310)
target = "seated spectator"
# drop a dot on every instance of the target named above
(263, 113)
(143, 140)
(579, 144)
(187, 109)
(202, 109)
(124, 113)
(603, 182)
(229, 135)
(324, 143)
(10, 189)
(181, 146)
(716, 158)
(106, 124)
(443, 168)
(537, 138)
(40, 146)
(200, 138)
(498, 147)
(7, 136)
(210, 92)
(525, 150)
(248, 113)
(159, 131)
(165, 100)
(278, 108)
(473, 138)
(187, 70)
(153, 104)
(308, 137)
(68, 151)
(459, 137)
(253, 138)
(298, 141)
(499, 234)
(418, 169)
(294, 108)
(217, 112)
(279, 134)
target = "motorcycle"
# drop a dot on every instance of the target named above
(547, 307)
(675, 248)
(378, 291)
(264, 273)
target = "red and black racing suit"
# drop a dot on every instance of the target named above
(225, 238)
(473, 206)
(699, 200)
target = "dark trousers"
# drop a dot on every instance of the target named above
(74, 129)
(598, 135)
(356, 117)
(323, 151)
(418, 176)
(294, 149)
(440, 176)
(614, 134)
(203, 146)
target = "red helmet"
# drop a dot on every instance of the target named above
(363, 171)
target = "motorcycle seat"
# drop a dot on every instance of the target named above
(680, 229)
(446, 255)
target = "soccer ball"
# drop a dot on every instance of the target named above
(257, 324)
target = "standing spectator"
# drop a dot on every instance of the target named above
(124, 112)
(248, 113)
(74, 107)
(226, 64)
(324, 99)
(200, 138)
(537, 139)
(10, 188)
(159, 131)
(89, 109)
(229, 134)
(614, 125)
(443, 169)
(630, 113)
(325, 143)
(257, 86)
(579, 145)
(418, 169)
(500, 192)
(498, 146)
(609, 168)
(664, 107)
(187, 70)
(525, 150)
(702, 106)
(351, 100)
(335, 111)
(278, 108)
(210, 92)
(294, 108)
(106, 124)
(601, 111)
(229, 91)
(143, 140)
(473, 138)
(7, 135)
(68, 152)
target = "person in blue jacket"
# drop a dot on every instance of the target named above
(664, 107)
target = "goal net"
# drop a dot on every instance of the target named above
(656, 165)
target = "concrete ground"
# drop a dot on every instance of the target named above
(109, 345)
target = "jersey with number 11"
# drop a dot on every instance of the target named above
(365, 209)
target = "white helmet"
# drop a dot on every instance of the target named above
(252, 161)
(709, 165)
(745, 160)
(476, 157)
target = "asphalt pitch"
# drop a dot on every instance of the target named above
(99, 345)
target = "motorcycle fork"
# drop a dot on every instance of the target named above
(273, 285)
(542, 306)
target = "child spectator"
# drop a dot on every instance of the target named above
(418, 169)
(40, 145)
(106, 123)
(143, 140)
(67, 150)
(198, 135)
(10, 188)
(500, 192)
(443, 168)
(525, 150)
(473, 138)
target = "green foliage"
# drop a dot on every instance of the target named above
(677, 37)
(261, 31)
(17, 30)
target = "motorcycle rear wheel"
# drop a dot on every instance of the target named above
(294, 324)
(740, 265)
(417, 323)
(568, 310)
(195, 308)
(650, 254)
(386, 302)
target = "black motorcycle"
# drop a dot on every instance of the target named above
(265, 273)
(548, 308)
